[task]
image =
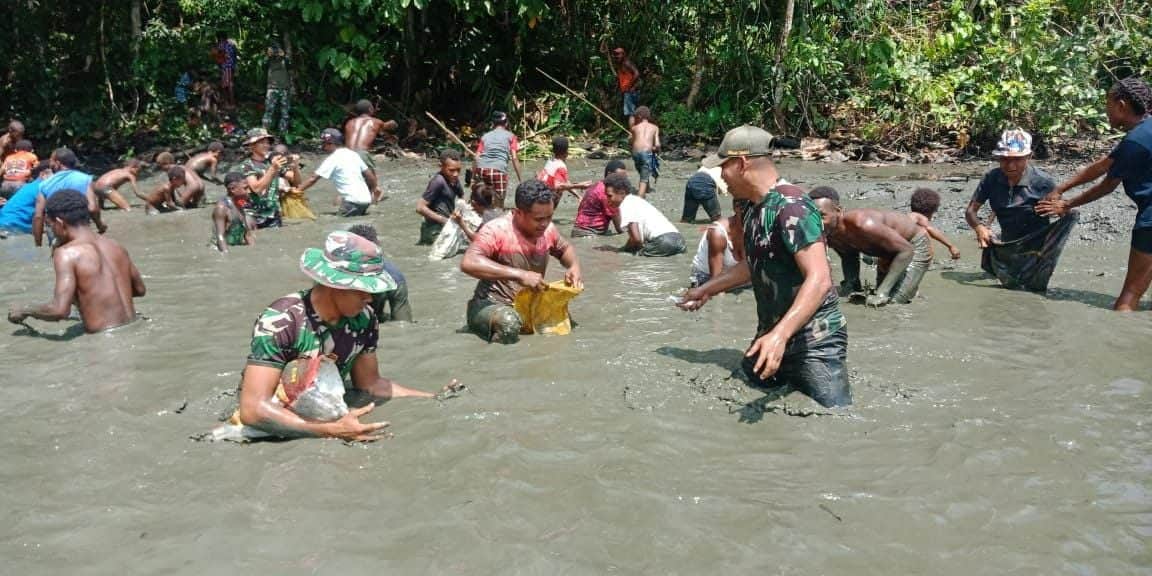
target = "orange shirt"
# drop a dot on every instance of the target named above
(626, 78)
(18, 166)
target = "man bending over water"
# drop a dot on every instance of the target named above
(900, 244)
(360, 132)
(333, 318)
(510, 254)
(93, 271)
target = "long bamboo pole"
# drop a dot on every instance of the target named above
(453, 136)
(584, 100)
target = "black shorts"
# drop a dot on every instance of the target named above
(1142, 240)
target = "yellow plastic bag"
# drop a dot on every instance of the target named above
(546, 311)
(295, 206)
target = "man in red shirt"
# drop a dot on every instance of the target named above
(510, 254)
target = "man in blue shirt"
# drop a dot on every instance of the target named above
(65, 177)
(16, 214)
(1130, 163)
(1026, 252)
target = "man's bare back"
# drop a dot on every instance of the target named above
(105, 281)
(874, 232)
(202, 163)
(645, 137)
(113, 179)
(192, 194)
(360, 132)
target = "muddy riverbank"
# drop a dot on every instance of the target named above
(994, 432)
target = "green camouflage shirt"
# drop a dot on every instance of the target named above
(267, 205)
(782, 224)
(290, 329)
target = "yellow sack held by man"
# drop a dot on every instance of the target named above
(294, 205)
(546, 311)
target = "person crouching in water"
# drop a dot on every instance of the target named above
(92, 271)
(231, 226)
(924, 205)
(714, 254)
(650, 233)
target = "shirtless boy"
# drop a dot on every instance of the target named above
(108, 185)
(184, 189)
(92, 271)
(204, 164)
(892, 237)
(645, 145)
(925, 203)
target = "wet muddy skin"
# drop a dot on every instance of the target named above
(994, 432)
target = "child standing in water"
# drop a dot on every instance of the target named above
(645, 145)
(555, 172)
(925, 203)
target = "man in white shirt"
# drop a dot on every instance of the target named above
(650, 233)
(355, 182)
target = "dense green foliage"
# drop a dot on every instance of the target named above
(897, 72)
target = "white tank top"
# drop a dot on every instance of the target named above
(700, 261)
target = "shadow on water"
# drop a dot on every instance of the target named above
(1087, 297)
(73, 332)
(727, 358)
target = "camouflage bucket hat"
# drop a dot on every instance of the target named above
(347, 262)
(256, 135)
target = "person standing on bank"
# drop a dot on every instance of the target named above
(801, 338)
(628, 80)
(1130, 162)
(279, 89)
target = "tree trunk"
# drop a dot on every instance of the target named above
(698, 72)
(781, 50)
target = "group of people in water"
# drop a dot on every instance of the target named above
(776, 241)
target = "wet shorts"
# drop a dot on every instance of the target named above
(700, 193)
(820, 372)
(1142, 240)
(631, 102)
(353, 209)
(493, 321)
(669, 244)
(497, 180)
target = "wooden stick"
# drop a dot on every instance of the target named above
(453, 136)
(585, 100)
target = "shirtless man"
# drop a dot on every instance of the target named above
(645, 141)
(206, 161)
(184, 189)
(901, 246)
(92, 271)
(9, 139)
(108, 185)
(360, 132)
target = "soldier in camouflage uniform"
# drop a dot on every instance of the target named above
(801, 338)
(333, 318)
(263, 176)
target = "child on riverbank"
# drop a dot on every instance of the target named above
(645, 145)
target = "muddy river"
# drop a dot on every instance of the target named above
(994, 432)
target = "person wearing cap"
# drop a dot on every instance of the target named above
(333, 318)
(497, 148)
(263, 177)
(355, 182)
(230, 225)
(1028, 246)
(628, 80)
(510, 254)
(801, 336)
(596, 213)
(1129, 108)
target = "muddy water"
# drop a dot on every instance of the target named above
(994, 432)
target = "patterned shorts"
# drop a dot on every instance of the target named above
(497, 180)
